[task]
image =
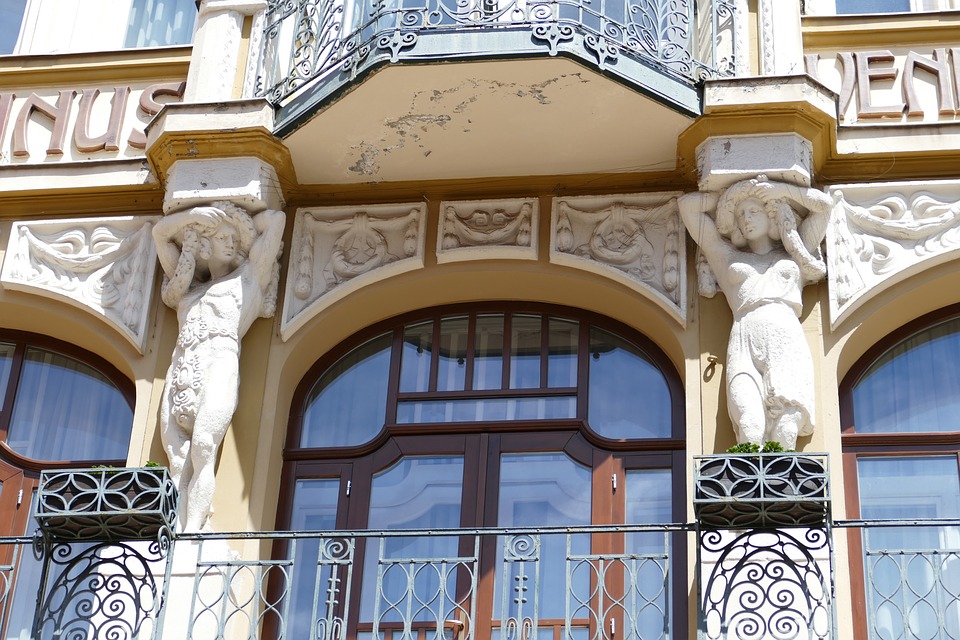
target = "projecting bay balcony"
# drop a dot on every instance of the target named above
(545, 87)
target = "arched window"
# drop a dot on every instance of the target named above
(488, 416)
(901, 442)
(59, 407)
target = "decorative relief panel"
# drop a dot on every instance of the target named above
(105, 265)
(337, 250)
(635, 239)
(881, 234)
(488, 229)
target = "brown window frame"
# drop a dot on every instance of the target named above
(855, 446)
(486, 441)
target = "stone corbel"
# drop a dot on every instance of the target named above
(105, 266)
(633, 239)
(337, 250)
(881, 234)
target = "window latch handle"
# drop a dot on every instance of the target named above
(349, 486)
(613, 482)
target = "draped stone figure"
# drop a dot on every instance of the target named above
(221, 273)
(761, 248)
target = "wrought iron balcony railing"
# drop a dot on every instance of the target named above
(654, 45)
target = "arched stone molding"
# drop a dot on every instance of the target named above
(104, 266)
(883, 234)
(339, 250)
(635, 239)
(488, 229)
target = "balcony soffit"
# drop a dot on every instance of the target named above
(485, 119)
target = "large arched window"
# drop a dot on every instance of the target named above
(901, 442)
(59, 407)
(488, 416)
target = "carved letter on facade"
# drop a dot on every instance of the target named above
(338, 249)
(633, 238)
(104, 265)
(880, 234)
(762, 246)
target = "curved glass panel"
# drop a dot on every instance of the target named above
(913, 387)
(629, 397)
(347, 405)
(67, 410)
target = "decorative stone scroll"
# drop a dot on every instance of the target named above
(102, 265)
(337, 250)
(634, 239)
(881, 234)
(488, 229)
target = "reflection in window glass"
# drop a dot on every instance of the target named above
(562, 364)
(156, 23)
(67, 410)
(348, 404)
(488, 352)
(6, 361)
(11, 15)
(648, 502)
(314, 509)
(486, 409)
(872, 6)
(415, 493)
(525, 352)
(545, 489)
(415, 358)
(629, 397)
(914, 387)
(452, 368)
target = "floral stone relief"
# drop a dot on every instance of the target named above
(488, 229)
(880, 234)
(104, 265)
(634, 239)
(339, 249)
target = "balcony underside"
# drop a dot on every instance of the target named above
(515, 117)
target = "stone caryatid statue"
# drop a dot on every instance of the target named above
(222, 272)
(763, 247)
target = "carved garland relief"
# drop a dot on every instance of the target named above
(339, 249)
(488, 229)
(636, 238)
(881, 234)
(105, 265)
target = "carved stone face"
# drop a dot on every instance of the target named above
(752, 219)
(223, 244)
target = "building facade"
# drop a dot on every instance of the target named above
(438, 314)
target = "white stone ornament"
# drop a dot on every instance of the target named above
(634, 239)
(337, 250)
(222, 273)
(881, 234)
(103, 265)
(488, 229)
(762, 247)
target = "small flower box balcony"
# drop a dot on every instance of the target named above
(764, 490)
(106, 504)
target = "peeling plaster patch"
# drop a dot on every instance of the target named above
(366, 164)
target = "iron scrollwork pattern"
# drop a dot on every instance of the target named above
(309, 39)
(765, 584)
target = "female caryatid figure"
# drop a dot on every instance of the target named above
(763, 248)
(221, 274)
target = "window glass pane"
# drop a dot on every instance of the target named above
(415, 358)
(29, 572)
(6, 361)
(314, 509)
(562, 364)
(543, 489)
(486, 409)
(902, 585)
(915, 386)
(872, 6)
(348, 404)
(452, 370)
(629, 397)
(155, 23)
(648, 501)
(421, 492)
(11, 15)
(525, 349)
(488, 352)
(67, 410)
